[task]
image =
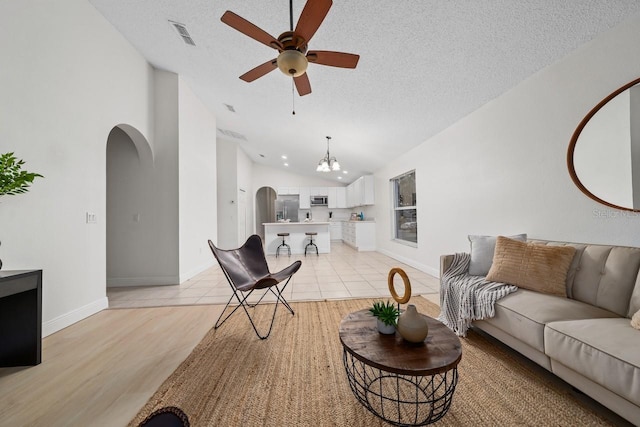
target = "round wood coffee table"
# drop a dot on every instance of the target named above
(405, 384)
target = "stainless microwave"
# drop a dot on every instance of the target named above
(318, 200)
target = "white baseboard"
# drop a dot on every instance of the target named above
(435, 272)
(186, 276)
(68, 319)
(115, 282)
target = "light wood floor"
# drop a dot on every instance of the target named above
(102, 370)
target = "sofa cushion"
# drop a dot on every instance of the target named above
(482, 249)
(523, 314)
(635, 320)
(531, 266)
(571, 274)
(603, 350)
(605, 276)
(634, 304)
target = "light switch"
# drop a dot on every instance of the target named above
(91, 218)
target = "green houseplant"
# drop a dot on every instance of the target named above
(14, 180)
(387, 315)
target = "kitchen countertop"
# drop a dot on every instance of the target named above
(352, 220)
(296, 223)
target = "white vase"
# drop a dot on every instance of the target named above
(385, 329)
(412, 325)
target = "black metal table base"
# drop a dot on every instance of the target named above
(401, 400)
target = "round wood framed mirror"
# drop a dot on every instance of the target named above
(604, 152)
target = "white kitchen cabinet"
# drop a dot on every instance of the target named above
(349, 233)
(358, 191)
(350, 196)
(318, 191)
(361, 192)
(360, 235)
(305, 198)
(331, 198)
(286, 191)
(368, 191)
(335, 230)
(341, 197)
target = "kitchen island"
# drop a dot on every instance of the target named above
(296, 238)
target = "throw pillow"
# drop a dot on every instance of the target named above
(482, 249)
(635, 320)
(531, 266)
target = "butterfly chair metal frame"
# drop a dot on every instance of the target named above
(246, 270)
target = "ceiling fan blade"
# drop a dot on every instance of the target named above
(333, 59)
(311, 17)
(302, 84)
(259, 71)
(249, 29)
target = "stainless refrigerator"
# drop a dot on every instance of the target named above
(287, 208)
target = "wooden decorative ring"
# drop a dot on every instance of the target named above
(407, 286)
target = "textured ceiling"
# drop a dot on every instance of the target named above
(423, 66)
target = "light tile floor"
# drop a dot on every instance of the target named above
(344, 273)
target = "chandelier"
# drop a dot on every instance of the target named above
(328, 163)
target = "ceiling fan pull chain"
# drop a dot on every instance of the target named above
(293, 99)
(291, 14)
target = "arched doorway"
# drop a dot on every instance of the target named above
(128, 215)
(265, 208)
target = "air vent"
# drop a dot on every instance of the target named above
(230, 108)
(183, 33)
(232, 134)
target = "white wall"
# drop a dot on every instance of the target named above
(67, 79)
(244, 174)
(227, 188)
(502, 169)
(265, 176)
(198, 182)
(235, 170)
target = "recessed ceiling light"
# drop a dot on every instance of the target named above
(339, 177)
(286, 164)
(284, 157)
(345, 172)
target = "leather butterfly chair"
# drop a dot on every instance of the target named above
(246, 271)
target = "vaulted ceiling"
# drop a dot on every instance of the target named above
(424, 64)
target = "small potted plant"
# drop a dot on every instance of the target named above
(14, 180)
(387, 315)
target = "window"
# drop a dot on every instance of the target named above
(405, 220)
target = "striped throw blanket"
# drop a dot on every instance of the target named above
(465, 298)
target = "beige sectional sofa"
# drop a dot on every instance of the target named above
(586, 339)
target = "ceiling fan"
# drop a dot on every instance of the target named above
(293, 56)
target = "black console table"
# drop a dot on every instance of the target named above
(20, 317)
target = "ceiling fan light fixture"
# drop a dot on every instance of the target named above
(292, 63)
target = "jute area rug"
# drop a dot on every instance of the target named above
(296, 378)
